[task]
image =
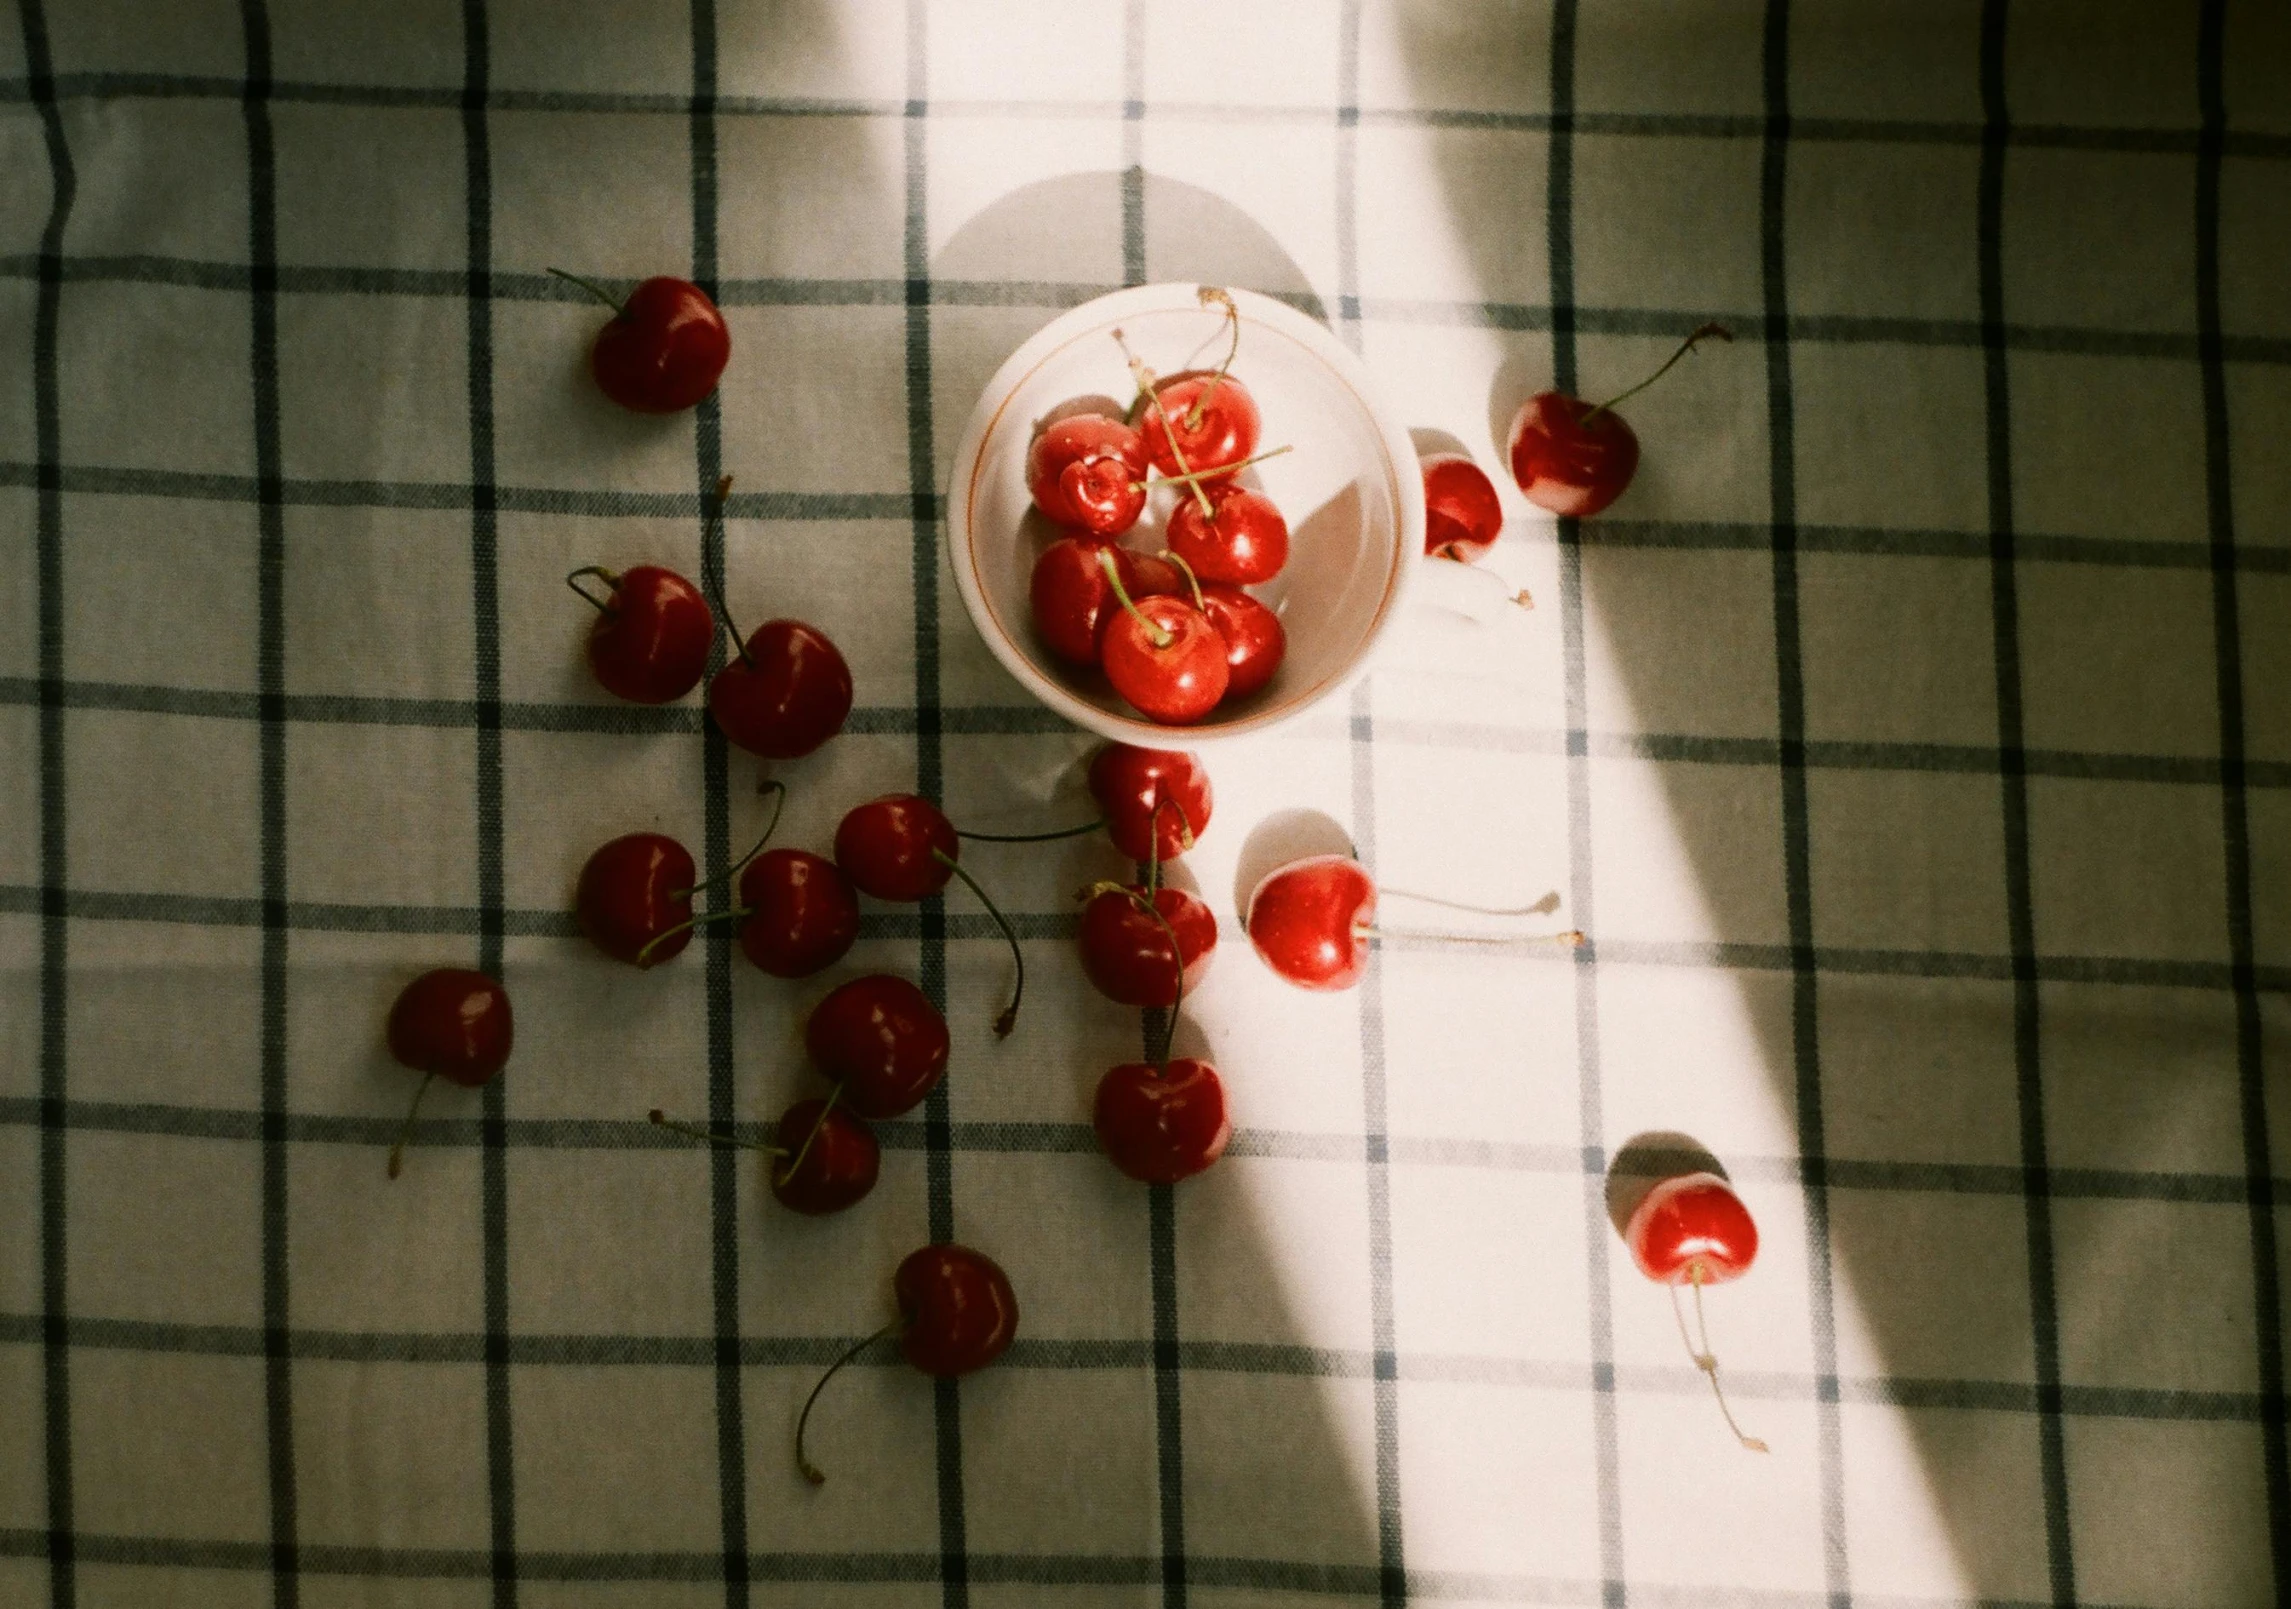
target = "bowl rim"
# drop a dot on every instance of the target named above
(1098, 317)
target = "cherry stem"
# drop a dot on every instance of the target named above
(1155, 634)
(1031, 837)
(787, 1173)
(1152, 907)
(1685, 346)
(811, 1471)
(663, 1120)
(1704, 1358)
(1146, 385)
(593, 288)
(1009, 1018)
(1191, 580)
(1571, 939)
(1212, 296)
(1194, 477)
(662, 937)
(398, 1151)
(609, 577)
(715, 521)
(779, 792)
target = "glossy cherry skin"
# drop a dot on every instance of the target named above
(664, 350)
(650, 643)
(1071, 598)
(1303, 920)
(796, 696)
(632, 891)
(957, 1311)
(803, 915)
(838, 1170)
(454, 1023)
(1227, 431)
(1462, 514)
(882, 1040)
(1162, 1128)
(1255, 641)
(1692, 1227)
(1175, 682)
(1087, 473)
(1150, 797)
(1126, 953)
(886, 845)
(1242, 540)
(1566, 465)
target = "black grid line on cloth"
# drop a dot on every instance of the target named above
(57, 1542)
(723, 1161)
(1391, 1548)
(1797, 851)
(2235, 819)
(1591, 1121)
(485, 603)
(270, 658)
(2020, 910)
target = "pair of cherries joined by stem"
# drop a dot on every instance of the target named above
(1311, 921)
(1163, 1120)
(449, 1023)
(1692, 1229)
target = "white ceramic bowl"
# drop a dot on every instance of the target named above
(1350, 489)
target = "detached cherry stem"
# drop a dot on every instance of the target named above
(398, 1151)
(1009, 1018)
(610, 578)
(1704, 1358)
(1030, 837)
(1146, 385)
(1717, 331)
(1159, 636)
(779, 792)
(593, 288)
(1214, 296)
(724, 609)
(811, 1471)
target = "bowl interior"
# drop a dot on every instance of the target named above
(1337, 487)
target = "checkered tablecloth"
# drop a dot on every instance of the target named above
(1913, 741)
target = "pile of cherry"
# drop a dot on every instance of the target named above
(1175, 634)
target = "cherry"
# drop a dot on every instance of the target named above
(957, 1314)
(1462, 514)
(902, 848)
(663, 350)
(1087, 472)
(650, 641)
(882, 1040)
(802, 915)
(1574, 458)
(635, 898)
(1162, 1124)
(450, 1023)
(834, 1164)
(1693, 1230)
(1126, 936)
(1312, 920)
(788, 692)
(1198, 420)
(1163, 656)
(1072, 599)
(1155, 801)
(1255, 641)
(1240, 537)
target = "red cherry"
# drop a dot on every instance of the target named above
(1167, 660)
(452, 1024)
(956, 1308)
(650, 641)
(787, 693)
(1462, 514)
(1573, 457)
(664, 348)
(833, 1159)
(898, 847)
(1212, 417)
(1306, 921)
(882, 1040)
(1127, 953)
(1152, 799)
(634, 891)
(1087, 473)
(1692, 1229)
(1255, 641)
(802, 917)
(1071, 597)
(1241, 539)
(1162, 1124)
